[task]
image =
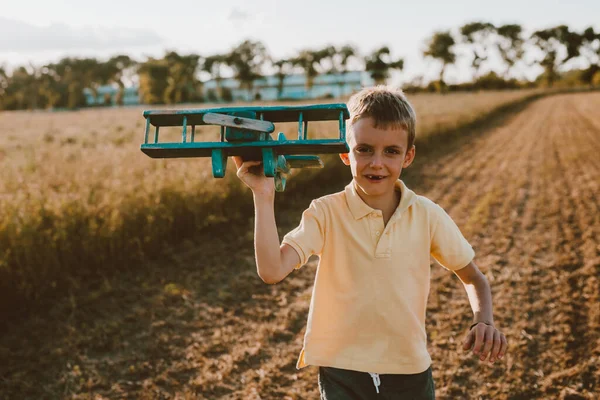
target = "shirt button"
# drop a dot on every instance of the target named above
(377, 233)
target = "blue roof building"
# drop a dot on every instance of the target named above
(107, 94)
(265, 88)
(294, 86)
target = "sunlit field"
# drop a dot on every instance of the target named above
(93, 155)
(76, 188)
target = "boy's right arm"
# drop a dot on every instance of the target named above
(273, 262)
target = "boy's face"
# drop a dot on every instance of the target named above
(377, 156)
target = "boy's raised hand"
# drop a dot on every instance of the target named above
(252, 174)
(486, 340)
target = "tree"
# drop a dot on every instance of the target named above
(214, 65)
(283, 68)
(119, 67)
(510, 45)
(379, 64)
(478, 35)
(63, 82)
(551, 41)
(3, 86)
(247, 60)
(20, 90)
(182, 84)
(83, 73)
(153, 76)
(327, 56)
(53, 90)
(440, 47)
(310, 62)
(591, 50)
(340, 63)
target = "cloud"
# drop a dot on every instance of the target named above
(238, 15)
(21, 37)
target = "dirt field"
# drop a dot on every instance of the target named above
(200, 324)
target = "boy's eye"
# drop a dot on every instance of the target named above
(362, 149)
(393, 151)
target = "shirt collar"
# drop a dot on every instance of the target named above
(359, 208)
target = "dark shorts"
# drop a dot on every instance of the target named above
(342, 384)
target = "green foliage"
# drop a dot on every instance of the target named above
(211, 96)
(153, 81)
(440, 47)
(310, 62)
(282, 69)
(477, 36)
(247, 60)
(120, 66)
(590, 49)
(213, 66)
(552, 41)
(226, 95)
(510, 44)
(342, 56)
(76, 98)
(492, 81)
(596, 79)
(379, 64)
(58, 85)
(182, 84)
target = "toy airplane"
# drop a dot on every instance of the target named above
(245, 132)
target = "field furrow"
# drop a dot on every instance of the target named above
(534, 241)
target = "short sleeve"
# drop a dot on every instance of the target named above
(448, 246)
(307, 239)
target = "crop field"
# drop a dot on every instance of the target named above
(76, 187)
(194, 321)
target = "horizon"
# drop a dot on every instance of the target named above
(71, 30)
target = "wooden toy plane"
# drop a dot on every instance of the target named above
(246, 132)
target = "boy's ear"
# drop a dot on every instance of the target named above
(409, 157)
(345, 158)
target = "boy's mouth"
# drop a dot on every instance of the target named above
(375, 177)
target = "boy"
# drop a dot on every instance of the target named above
(366, 324)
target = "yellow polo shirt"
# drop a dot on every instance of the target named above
(367, 311)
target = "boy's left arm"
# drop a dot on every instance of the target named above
(483, 337)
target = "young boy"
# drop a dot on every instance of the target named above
(366, 324)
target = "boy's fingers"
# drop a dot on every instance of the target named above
(479, 337)
(468, 341)
(503, 347)
(488, 342)
(238, 161)
(496, 347)
(246, 165)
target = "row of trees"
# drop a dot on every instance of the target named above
(175, 78)
(558, 45)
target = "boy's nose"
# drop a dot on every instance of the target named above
(376, 162)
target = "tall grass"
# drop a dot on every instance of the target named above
(79, 201)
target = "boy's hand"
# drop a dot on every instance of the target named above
(486, 340)
(252, 174)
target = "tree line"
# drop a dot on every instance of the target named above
(174, 78)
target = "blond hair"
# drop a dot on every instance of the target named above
(387, 106)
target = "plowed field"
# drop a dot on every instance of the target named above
(200, 324)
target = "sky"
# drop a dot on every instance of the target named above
(40, 32)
